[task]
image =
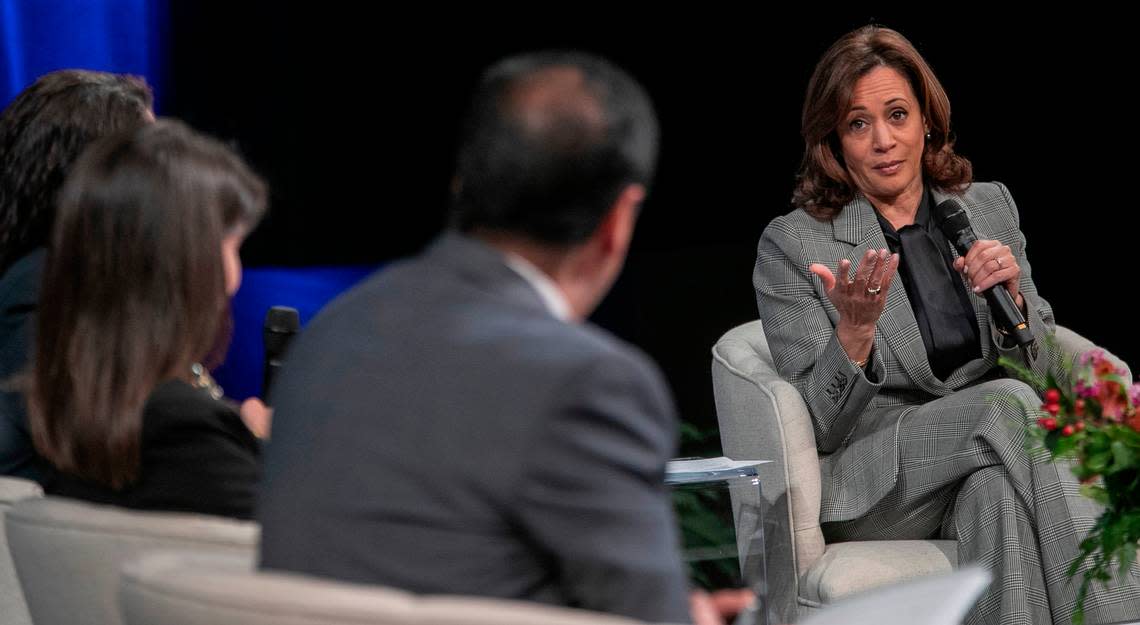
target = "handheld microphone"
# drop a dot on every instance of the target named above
(955, 224)
(281, 325)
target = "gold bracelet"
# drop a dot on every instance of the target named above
(859, 364)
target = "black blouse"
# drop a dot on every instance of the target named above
(936, 291)
(197, 456)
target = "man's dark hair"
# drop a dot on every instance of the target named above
(550, 141)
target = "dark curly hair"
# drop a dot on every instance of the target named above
(823, 185)
(42, 132)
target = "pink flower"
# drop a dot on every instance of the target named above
(1103, 367)
(1134, 393)
(1114, 407)
(1109, 388)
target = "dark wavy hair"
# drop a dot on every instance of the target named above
(823, 185)
(133, 289)
(43, 131)
(550, 141)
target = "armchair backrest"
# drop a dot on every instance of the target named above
(68, 553)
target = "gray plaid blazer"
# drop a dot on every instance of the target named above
(856, 421)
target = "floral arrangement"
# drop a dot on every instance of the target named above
(1096, 423)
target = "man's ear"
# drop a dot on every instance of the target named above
(616, 229)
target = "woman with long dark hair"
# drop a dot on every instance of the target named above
(134, 308)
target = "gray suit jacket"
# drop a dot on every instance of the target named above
(438, 430)
(856, 420)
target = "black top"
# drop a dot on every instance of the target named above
(19, 295)
(936, 291)
(197, 456)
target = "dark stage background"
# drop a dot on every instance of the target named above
(352, 117)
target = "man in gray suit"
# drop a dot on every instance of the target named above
(452, 425)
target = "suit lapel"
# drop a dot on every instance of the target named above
(857, 225)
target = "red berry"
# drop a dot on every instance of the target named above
(1049, 423)
(1080, 425)
(1079, 406)
(1052, 409)
(1052, 396)
(1067, 430)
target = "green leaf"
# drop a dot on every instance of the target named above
(690, 432)
(1123, 456)
(1096, 493)
(1064, 445)
(1082, 473)
(1022, 373)
(1127, 556)
(1098, 461)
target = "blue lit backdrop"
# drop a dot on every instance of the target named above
(130, 36)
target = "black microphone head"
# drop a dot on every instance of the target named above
(953, 221)
(951, 217)
(282, 319)
(281, 323)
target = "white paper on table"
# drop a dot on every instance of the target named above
(709, 465)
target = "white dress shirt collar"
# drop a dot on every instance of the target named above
(549, 292)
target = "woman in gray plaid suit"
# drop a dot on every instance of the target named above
(880, 325)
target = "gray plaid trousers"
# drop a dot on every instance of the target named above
(964, 474)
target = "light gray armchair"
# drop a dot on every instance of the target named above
(68, 553)
(13, 608)
(763, 417)
(187, 588)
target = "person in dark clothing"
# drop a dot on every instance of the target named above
(135, 301)
(42, 131)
